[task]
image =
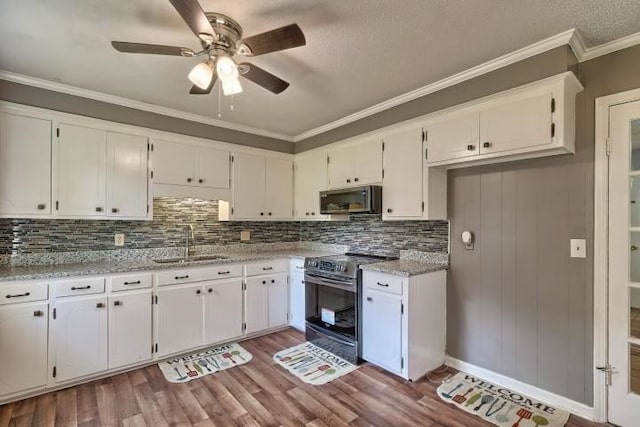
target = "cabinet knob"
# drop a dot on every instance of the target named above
(486, 144)
(264, 282)
(189, 179)
(389, 210)
(98, 209)
(471, 147)
(99, 305)
(200, 180)
(348, 181)
(369, 299)
(114, 210)
(269, 213)
(273, 281)
(210, 290)
(41, 206)
(356, 179)
(198, 292)
(313, 213)
(117, 303)
(38, 313)
(261, 213)
(307, 214)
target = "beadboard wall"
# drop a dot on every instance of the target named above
(363, 233)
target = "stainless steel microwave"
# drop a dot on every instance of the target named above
(365, 199)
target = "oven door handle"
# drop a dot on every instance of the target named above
(322, 281)
(325, 335)
(326, 280)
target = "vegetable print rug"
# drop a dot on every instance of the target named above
(499, 405)
(205, 362)
(312, 364)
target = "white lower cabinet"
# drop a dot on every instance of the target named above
(297, 300)
(266, 302)
(222, 310)
(179, 318)
(129, 328)
(80, 335)
(382, 313)
(278, 297)
(23, 347)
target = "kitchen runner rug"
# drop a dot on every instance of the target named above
(205, 362)
(312, 364)
(499, 405)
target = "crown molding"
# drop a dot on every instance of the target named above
(131, 103)
(502, 61)
(607, 48)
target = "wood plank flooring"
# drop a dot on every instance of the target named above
(258, 393)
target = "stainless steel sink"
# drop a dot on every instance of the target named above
(189, 259)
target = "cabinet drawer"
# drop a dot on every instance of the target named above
(383, 282)
(174, 277)
(130, 281)
(94, 285)
(297, 265)
(267, 267)
(23, 292)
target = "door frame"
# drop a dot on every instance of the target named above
(601, 247)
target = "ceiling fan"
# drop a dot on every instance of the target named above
(221, 39)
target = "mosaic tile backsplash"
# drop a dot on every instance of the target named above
(363, 233)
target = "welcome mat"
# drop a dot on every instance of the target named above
(499, 405)
(205, 362)
(312, 364)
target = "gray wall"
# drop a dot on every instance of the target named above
(29, 95)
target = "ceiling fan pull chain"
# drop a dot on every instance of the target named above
(231, 107)
(219, 103)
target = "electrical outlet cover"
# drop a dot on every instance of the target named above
(119, 239)
(245, 235)
(578, 248)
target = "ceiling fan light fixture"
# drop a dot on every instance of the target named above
(227, 72)
(231, 87)
(202, 74)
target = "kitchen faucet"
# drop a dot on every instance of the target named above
(188, 250)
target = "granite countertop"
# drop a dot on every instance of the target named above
(52, 271)
(405, 268)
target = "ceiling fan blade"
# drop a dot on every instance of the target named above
(196, 90)
(279, 39)
(195, 18)
(263, 78)
(156, 49)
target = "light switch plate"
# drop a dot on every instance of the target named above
(578, 248)
(118, 239)
(245, 235)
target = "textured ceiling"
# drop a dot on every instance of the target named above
(358, 52)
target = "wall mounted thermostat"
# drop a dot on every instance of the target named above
(467, 240)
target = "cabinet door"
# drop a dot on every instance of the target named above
(402, 182)
(519, 124)
(279, 189)
(23, 347)
(453, 136)
(368, 162)
(129, 328)
(222, 311)
(341, 167)
(256, 305)
(180, 319)
(80, 337)
(173, 163)
(127, 175)
(310, 179)
(25, 165)
(382, 329)
(81, 171)
(213, 167)
(297, 301)
(278, 300)
(248, 186)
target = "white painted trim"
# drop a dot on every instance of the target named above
(561, 402)
(601, 247)
(607, 48)
(131, 103)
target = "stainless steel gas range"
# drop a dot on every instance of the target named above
(333, 287)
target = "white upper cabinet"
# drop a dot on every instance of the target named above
(81, 171)
(127, 160)
(279, 188)
(212, 167)
(25, 165)
(402, 178)
(310, 180)
(452, 136)
(355, 164)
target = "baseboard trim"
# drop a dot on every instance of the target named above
(576, 408)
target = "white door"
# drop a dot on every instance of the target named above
(127, 175)
(213, 168)
(297, 300)
(310, 179)
(341, 167)
(222, 311)
(81, 171)
(173, 163)
(278, 300)
(249, 186)
(180, 318)
(519, 124)
(25, 165)
(80, 336)
(279, 189)
(129, 328)
(23, 347)
(382, 329)
(453, 136)
(367, 162)
(402, 181)
(624, 264)
(256, 301)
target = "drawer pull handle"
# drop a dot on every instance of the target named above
(26, 294)
(38, 313)
(181, 277)
(299, 268)
(80, 288)
(267, 268)
(386, 285)
(137, 282)
(117, 303)
(369, 299)
(224, 272)
(99, 305)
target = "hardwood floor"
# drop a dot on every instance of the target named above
(258, 393)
